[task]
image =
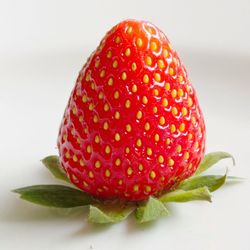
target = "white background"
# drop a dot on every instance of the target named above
(43, 45)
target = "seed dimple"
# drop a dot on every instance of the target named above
(106, 107)
(149, 151)
(144, 100)
(139, 115)
(117, 39)
(117, 115)
(171, 71)
(160, 159)
(146, 79)
(127, 52)
(107, 173)
(97, 164)
(172, 128)
(128, 104)
(129, 30)
(107, 149)
(155, 109)
(110, 81)
(89, 149)
(127, 150)
(157, 77)
(152, 174)
(168, 141)
(97, 63)
(182, 127)
(139, 42)
(102, 73)
(165, 53)
(165, 102)
(81, 163)
(115, 64)
(148, 188)
(124, 76)
(184, 111)
(174, 111)
(118, 162)
(161, 64)
(84, 98)
(136, 188)
(101, 95)
(97, 139)
(138, 143)
(75, 158)
(153, 46)
(140, 167)
(186, 155)
(67, 155)
(147, 126)
(129, 171)
(128, 128)
(167, 86)
(155, 92)
(91, 106)
(178, 148)
(109, 54)
(134, 88)
(148, 60)
(190, 101)
(162, 120)
(134, 66)
(105, 125)
(174, 93)
(95, 119)
(170, 162)
(117, 137)
(157, 137)
(91, 175)
(180, 92)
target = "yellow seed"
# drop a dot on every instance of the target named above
(117, 115)
(140, 167)
(84, 99)
(87, 77)
(162, 120)
(75, 158)
(184, 111)
(115, 64)
(127, 150)
(167, 86)
(97, 63)
(97, 164)
(136, 188)
(124, 76)
(91, 175)
(168, 141)
(171, 71)
(85, 184)
(174, 93)
(101, 95)
(188, 88)
(133, 66)
(127, 52)
(174, 111)
(105, 125)
(172, 128)
(165, 53)
(118, 162)
(153, 46)
(109, 54)
(160, 159)
(74, 110)
(120, 182)
(148, 189)
(65, 137)
(89, 149)
(102, 73)
(182, 127)
(156, 92)
(81, 162)
(95, 119)
(190, 136)
(78, 140)
(72, 131)
(170, 162)
(147, 126)
(152, 174)
(128, 104)
(107, 173)
(193, 119)
(138, 143)
(157, 137)
(97, 139)
(116, 94)
(146, 79)
(161, 64)
(117, 39)
(144, 100)
(107, 149)
(190, 166)
(186, 155)
(139, 115)
(157, 77)
(149, 151)
(178, 148)
(190, 101)
(129, 30)
(148, 60)
(180, 78)
(129, 171)
(67, 155)
(196, 145)
(80, 118)
(165, 102)
(139, 42)
(106, 107)
(134, 88)
(155, 109)
(110, 81)
(128, 128)
(180, 92)
(91, 106)
(117, 137)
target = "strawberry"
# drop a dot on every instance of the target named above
(133, 126)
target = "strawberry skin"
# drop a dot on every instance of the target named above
(133, 125)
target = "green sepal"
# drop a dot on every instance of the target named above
(151, 210)
(201, 193)
(54, 196)
(213, 182)
(53, 165)
(102, 214)
(212, 158)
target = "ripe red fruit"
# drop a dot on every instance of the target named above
(133, 126)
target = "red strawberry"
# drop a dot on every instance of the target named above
(133, 126)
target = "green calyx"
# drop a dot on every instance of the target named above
(197, 187)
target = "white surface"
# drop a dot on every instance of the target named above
(43, 44)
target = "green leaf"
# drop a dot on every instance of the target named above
(235, 178)
(54, 196)
(151, 210)
(184, 196)
(213, 182)
(53, 165)
(109, 214)
(212, 158)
